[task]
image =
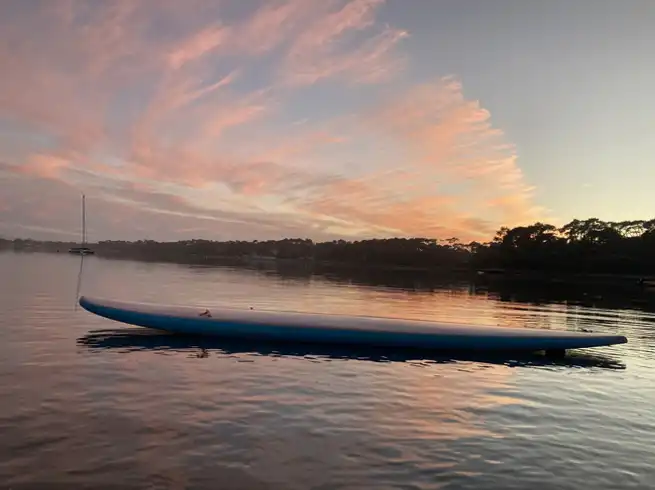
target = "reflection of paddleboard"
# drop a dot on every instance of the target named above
(311, 327)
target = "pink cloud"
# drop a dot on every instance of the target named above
(301, 142)
(170, 102)
(32, 93)
(454, 169)
(61, 78)
(319, 51)
(273, 23)
(141, 117)
(200, 44)
(355, 15)
(260, 32)
(50, 209)
(379, 208)
(232, 114)
(72, 70)
(370, 63)
(451, 137)
(46, 166)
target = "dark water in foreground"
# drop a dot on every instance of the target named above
(88, 403)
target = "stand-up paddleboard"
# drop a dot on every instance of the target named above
(312, 327)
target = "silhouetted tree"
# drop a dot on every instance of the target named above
(590, 245)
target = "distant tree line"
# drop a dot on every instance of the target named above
(588, 246)
(581, 246)
(399, 252)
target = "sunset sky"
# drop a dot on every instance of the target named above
(245, 119)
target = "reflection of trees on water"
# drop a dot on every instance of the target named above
(620, 295)
(533, 291)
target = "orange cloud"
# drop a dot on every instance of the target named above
(451, 138)
(386, 207)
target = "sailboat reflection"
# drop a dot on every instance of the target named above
(139, 339)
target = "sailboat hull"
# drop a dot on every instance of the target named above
(81, 251)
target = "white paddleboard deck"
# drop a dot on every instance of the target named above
(312, 327)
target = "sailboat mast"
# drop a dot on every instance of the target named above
(83, 220)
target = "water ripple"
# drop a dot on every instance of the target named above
(86, 402)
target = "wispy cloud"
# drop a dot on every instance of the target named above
(184, 115)
(34, 206)
(456, 175)
(198, 45)
(45, 166)
(329, 46)
(451, 138)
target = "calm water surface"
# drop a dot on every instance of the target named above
(85, 402)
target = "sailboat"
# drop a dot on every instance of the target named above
(83, 250)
